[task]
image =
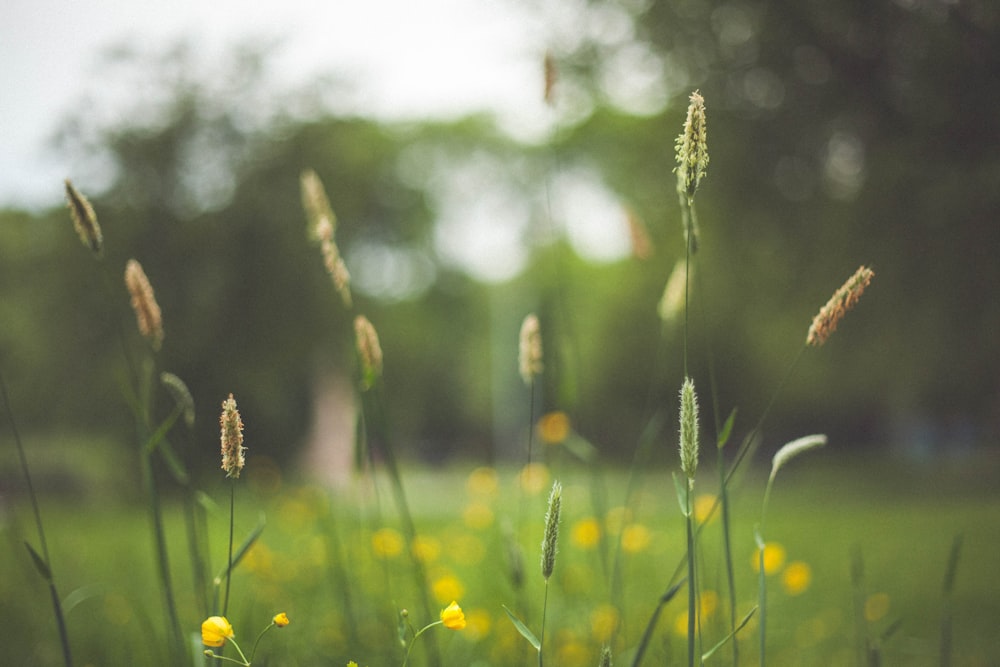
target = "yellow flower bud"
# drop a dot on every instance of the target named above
(281, 620)
(215, 630)
(453, 617)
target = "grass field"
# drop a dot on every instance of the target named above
(335, 563)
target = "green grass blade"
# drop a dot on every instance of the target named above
(727, 638)
(523, 629)
(40, 564)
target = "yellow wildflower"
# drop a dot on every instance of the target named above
(774, 558)
(215, 630)
(796, 577)
(635, 538)
(586, 533)
(281, 620)
(447, 586)
(387, 543)
(452, 617)
(554, 427)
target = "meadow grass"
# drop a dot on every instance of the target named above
(638, 566)
(106, 565)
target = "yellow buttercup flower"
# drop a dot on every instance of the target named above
(215, 630)
(774, 558)
(281, 620)
(452, 617)
(796, 577)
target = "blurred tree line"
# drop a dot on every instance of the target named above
(840, 133)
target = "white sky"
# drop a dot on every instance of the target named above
(409, 58)
(404, 59)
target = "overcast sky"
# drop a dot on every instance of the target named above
(432, 57)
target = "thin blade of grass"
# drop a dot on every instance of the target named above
(727, 638)
(523, 629)
(244, 548)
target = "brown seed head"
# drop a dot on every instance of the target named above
(369, 351)
(316, 205)
(530, 349)
(233, 451)
(147, 311)
(829, 316)
(84, 219)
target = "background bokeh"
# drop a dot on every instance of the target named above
(840, 134)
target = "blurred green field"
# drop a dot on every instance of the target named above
(321, 560)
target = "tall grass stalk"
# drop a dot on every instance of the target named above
(43, 561)
(369, 352)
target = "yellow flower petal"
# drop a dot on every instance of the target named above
(452, 617)
(281, 620)
(215, 630)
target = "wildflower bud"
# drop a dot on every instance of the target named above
(605, 657)
(147, 311)
(281, 620)
(84, 219)
(453, 617)
(233, 450)
(316, 205)
(215, 630)
(530, 349)
(369, 351)
(829, 316)
(793, 449)
(179, 391)
(549, 542)
(689, 429)
(692, 147)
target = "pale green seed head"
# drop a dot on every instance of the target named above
(689, 429)
(549, 542)
(692, 147)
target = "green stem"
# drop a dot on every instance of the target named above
(162, 560)
(371, 412)
(692, 582)
(56, 604)
(541, 635)
(409, 647)
(229, 569)
(253, 651)
(728, 551)
(762, 581)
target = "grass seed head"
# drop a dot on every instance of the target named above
(147, 311)
(793, 449)
(845, 298)
(319, 213)
(179, 391)
(551, 539)
(369, 351)
(233, 451)
(692, 147)
(689, 429)
(84, 219)
(530, 349)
